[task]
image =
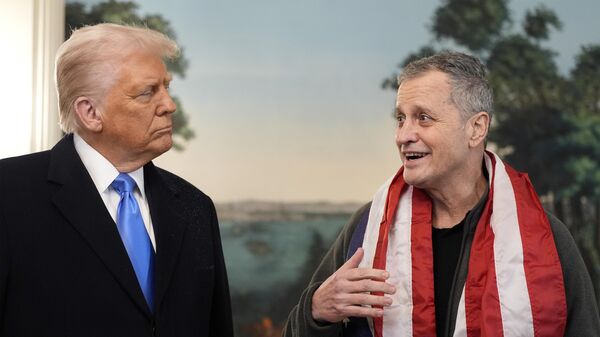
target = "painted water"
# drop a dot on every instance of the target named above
(269, 263)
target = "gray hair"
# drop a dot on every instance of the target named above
(88, 63)
(470, 91)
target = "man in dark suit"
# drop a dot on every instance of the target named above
(94, 239)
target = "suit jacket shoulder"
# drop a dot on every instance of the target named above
(181, 186)
(26, 166)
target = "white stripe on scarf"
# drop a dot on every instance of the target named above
(397, 320)
(515, 308)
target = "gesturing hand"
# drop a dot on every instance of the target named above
(346, 292)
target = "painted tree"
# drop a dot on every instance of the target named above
(126, 12)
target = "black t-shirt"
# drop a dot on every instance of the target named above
(446, 250)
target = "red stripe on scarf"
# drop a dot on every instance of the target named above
(482, 306)
(423, 316)
(391, 205)
(543, 271)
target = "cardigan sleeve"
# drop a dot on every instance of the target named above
(582, 311)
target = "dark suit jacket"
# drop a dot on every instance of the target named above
(65, 272)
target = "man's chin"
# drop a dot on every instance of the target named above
(162, 145)
(413, 180)
(168, 145)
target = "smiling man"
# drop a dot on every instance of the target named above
(94, 239)
(456, 243)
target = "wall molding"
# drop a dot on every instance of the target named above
(48, 35)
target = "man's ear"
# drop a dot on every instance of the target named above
(88, 115)
(479, 125)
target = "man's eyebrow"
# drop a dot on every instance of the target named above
(152, 81)
(422, 109)
(417, 109)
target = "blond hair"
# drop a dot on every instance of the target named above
(88, 63)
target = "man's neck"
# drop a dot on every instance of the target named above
(452, 204)
(123, 162)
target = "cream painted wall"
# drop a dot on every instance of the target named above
(30, 31)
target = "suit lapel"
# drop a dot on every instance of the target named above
(79, 201)
(169, 227)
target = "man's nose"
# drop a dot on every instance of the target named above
(167, 105)
(406, 133)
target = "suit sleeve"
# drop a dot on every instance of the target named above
(582, 311)
(3, 271)
(221, 322)
(300, 322)
(4, 262)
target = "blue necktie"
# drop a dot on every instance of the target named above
(134, 235)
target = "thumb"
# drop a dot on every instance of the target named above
(354, 261)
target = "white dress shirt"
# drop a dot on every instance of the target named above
(103, 173)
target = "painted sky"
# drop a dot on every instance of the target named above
(285, 96)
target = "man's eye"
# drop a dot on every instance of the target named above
(424, 117)
(146, 93)
(400, 118)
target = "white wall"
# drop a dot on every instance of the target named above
(30, 31)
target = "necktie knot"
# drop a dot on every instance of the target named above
(123, 183)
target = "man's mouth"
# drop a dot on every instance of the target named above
(165, 129)
(414, 155)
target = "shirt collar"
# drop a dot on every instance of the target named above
(102, 172)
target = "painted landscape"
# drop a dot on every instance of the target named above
(271, 251)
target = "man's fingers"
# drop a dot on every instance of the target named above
(360, 305)
(369, 285)
(352, 272)
(368, 299)
(348, 292)
(358, 311)
(354, 261)
(367, 273)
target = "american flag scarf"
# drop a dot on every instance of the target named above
(514, 285)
